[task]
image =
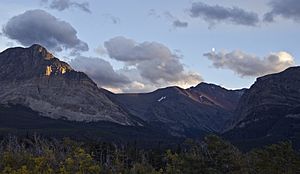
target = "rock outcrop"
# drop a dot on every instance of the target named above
(34, 78)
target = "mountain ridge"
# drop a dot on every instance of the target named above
(35, 78)
(182, 108)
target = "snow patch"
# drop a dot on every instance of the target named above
(162, 98)
(201, 98)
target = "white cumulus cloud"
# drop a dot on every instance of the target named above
(245, 64)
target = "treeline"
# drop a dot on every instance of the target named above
(213, 155)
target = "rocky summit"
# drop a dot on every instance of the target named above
(34, 78)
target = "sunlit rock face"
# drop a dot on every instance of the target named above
(33, 77)
(26, 63)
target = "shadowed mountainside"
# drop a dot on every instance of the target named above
(206, 107)
(269, 111)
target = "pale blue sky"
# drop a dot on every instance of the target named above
(135, 22)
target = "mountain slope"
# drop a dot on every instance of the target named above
(34, 78)
(269, 111)
(205, 108)
(22, 121)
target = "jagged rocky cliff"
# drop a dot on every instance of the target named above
(33, 77)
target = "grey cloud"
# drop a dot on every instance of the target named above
(181, 24)
(285, 8)
(250, 65)
(101, 71)
(152, 12)
(138, 83)
(38, 26)
(127, 50)
(113, 19)
(176, 23)
(61, 5)
(100, 50)
(154, 61)
(215, 14)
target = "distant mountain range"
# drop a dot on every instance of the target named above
(40, 91)
(204, 108)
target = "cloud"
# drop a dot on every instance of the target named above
(152, 12)
(100, 50)
(285, 8)
(216, 14)
(38, 26)
(181, 24)
(250, 65)
(118, 81)
(138, 83)
(152, 61)
(176, 23)
(113, 19)
(100, 71)
(61, 5)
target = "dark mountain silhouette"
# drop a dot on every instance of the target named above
(269, 111)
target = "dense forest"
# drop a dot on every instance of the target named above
(213, 155)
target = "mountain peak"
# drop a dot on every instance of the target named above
(207, 86)
(34, 78)
(37, 46)
(26, 63)
(40, 50)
